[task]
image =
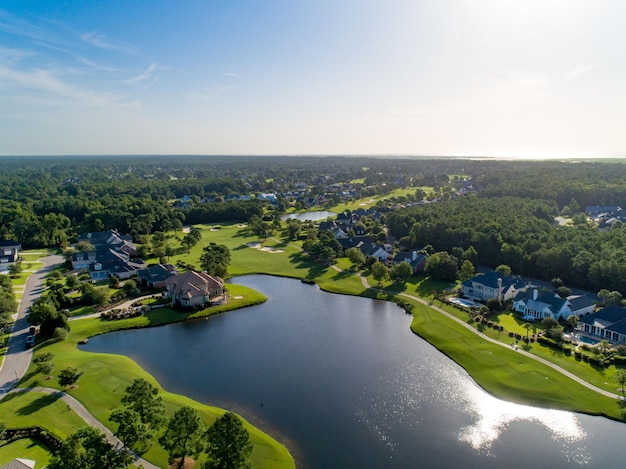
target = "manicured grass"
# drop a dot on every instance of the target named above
(33, 408)
(26, 449)
(506, 373)
(106, 376)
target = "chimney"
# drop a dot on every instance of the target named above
(535, 294)
(414, 255)
(499, 289)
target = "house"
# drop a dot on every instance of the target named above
(19, 463)
(112, 238)
(194, 289)
(156, 276)
(416, 260)
(492, 286)
(376, 250)
(9, 251)
(112, 254)
(541, 304)
(608, 324)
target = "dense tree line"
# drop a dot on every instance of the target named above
(519, 233)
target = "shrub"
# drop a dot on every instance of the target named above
(60, 333)
(511, 334)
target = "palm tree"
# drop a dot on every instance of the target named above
(527, 326)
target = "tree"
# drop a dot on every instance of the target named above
(503, 270)
(441, 266)
(294, 228)
(610, 297)
(528, 327)
(68, 376)
(549, 322)
(142, 398)
(43, 362)
(183, 435)
(45, 314)
(556, 282)
(556, 333)
(563, 291)
(15, 269)
(379, 272)
(228, 444)
(401, 272)
(356, 256)
(215, 259)
(189, 241)
(87, 448)
(467, 271)
(131, 430)
(72, 282)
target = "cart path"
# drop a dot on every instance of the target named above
(493, 341)
(82, 411)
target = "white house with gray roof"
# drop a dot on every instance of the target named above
(540, 304)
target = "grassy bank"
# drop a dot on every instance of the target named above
(106, 376)
(502, 372)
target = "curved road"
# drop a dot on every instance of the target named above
(17, 357)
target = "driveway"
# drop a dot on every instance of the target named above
(17, 358)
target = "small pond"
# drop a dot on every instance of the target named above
(310, 216)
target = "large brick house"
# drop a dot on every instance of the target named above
(194, 289)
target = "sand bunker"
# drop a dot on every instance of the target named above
(186, 229)
(241, 225)
(257, 245)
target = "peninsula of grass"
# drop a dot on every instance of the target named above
(106, 376)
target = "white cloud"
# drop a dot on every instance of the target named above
(144, 76)
(102, 42)
(578, 71)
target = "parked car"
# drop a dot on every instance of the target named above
(30, 341)
(32, 330)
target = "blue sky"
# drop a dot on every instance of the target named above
(436, 77)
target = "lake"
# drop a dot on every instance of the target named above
(311, 216)
(344, 383)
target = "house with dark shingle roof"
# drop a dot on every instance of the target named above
(416, 260)
(608, 324)
(541, 304)
(112, 254)
(156, 275)
(492, 286)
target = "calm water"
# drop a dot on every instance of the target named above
(344, 384)
(312, 216)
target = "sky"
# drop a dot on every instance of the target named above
(529, 78)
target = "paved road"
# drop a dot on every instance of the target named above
(17, 358)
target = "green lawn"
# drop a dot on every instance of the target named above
(501, 371)
(26, 449)
(31, 409)
(504, 372)
(106, 376)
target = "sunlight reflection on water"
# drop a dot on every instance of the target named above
(455, 390)
(493, 416)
